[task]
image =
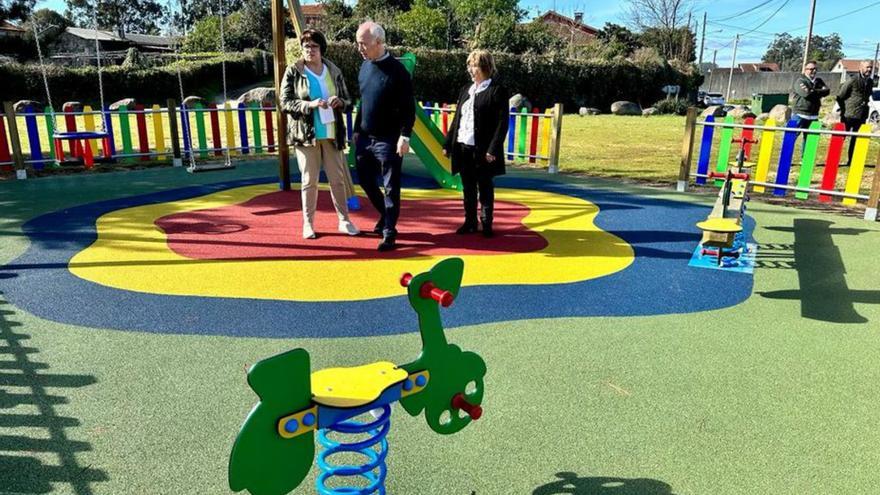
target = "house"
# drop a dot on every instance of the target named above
(571, 30)
(759, 67)
(313, 13)
(847, 67)
(80, 40)
(10, 30)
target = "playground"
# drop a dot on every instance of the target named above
(133, 304)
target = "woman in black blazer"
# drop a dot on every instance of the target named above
(475, 140)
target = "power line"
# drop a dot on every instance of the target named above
(745, 11)
(823, 21)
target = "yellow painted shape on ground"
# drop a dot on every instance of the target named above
(857, 165)
(764, 155)
(355, 386)
(131, 253)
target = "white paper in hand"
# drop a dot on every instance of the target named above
(326, 115)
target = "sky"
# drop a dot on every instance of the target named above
(851, 19)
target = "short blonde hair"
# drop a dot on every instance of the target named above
(482, 59)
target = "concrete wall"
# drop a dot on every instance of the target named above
(744, 84)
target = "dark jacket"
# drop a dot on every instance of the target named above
(853, 97)
(808, 95)
(490, 127)
(388, 107)
(295, 99)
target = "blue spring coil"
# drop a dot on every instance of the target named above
(378, 430)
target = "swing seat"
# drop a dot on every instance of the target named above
(82, 150)
(354, 386)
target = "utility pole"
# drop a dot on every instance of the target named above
(714, 66)
(732, 65)
(809, 34)
(874, 67)
(702, 41)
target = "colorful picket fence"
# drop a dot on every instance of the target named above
(207, 132)
(529, 134)
(773, 165)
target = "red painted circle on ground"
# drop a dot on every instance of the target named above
(269, 226)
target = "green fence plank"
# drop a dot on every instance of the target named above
(200, 130)
(809, 161)
(125, 130)
(50, 131)
(724, 149)
(258, 132)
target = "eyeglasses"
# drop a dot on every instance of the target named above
(811, 68)
(311, 47)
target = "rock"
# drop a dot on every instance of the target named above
(781, 114)
(588, 111)
(35, 105)
(128, 102)
(739, 111)
(190, 101)
(519, 102)
(715, 111)
(649, 111)
(72, 106)
(263, 96)
(625, 108)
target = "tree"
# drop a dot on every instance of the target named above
(662, 23)
(121, 16)
(671, 44)
(370, 8)
(252, 27)
(620, 37)
(470, 15)
(338, 22)
(788, 51)
(536, 37)
(188, 12)
(16, 10)
(50, 25)
(423, 26)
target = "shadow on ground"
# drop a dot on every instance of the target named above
(33, 431)
(571, 484)
(824, 292)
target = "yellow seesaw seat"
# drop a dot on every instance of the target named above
(354, 386)
(720, 225)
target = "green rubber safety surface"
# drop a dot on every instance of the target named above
(775, 395)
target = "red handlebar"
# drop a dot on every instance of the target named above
(429, 291)
(723, 175)
(459, 402)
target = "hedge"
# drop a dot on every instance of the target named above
(148, 86)
(543, 80)
(439, 76)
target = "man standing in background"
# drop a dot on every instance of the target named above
(853, 101)
(382, 127)
(808, 92)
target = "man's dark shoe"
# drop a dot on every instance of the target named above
(387, 244)
(380, 227)
(467, 228)
(487, 230)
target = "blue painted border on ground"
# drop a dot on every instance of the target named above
(662, 233)
(745, 263)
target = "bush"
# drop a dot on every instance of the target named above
(148, 86)
(671, 107)
(543, 80)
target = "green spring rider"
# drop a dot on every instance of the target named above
(275, 448)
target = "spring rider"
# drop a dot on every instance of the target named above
(275, 447)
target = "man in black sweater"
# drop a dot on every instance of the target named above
(382, 128)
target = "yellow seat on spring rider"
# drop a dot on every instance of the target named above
(720, 225)
(355, 386)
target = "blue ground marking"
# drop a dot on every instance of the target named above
(659, 281)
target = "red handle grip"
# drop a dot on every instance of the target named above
(459, 402)
(429, 291)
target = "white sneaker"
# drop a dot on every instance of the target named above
(346, 227)
(309, 232)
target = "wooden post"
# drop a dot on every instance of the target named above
(280, 58)
(555, 138)
(687, 149)
(176, 159)
(874, 196)
(14, 141)
(296, 17)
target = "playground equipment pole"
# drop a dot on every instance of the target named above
(280, 66)
(874, 196)
(555, 138)
(17, 156)
(687, 149)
